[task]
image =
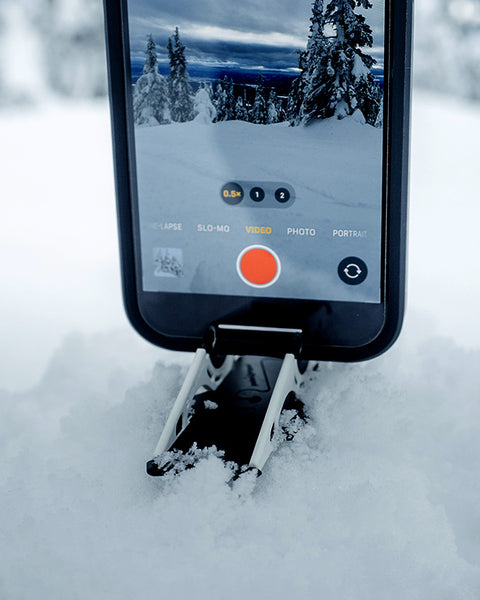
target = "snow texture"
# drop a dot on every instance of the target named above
(447, 47)
(377, 498)
(51, 48)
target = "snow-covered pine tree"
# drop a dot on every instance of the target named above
(220, 102)
(241, 113)
(307, 96)
(204, 109)
(150, 92)
(258, 114)
(229, 100)
(224, 101)
(246, 103)
(272, 108)
(295, 101)
(180, 91)
(209, 89)
(367, 92)
(282, 115)
(350, 85)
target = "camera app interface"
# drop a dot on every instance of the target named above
(259, 143)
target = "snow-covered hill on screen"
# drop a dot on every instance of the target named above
(377, 499)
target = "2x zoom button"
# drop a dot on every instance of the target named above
(282, 195)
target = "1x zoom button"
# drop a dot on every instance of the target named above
(257, 194)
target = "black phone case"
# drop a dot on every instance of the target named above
(399, 39)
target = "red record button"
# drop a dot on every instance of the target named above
(258, 266)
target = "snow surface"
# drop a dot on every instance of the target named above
(378, 498)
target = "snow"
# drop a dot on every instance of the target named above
(358, 117)
(377, 498)
(359, 69)
(20, 84)
(204, 110)
(58, 239)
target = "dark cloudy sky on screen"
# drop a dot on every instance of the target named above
(247, 33)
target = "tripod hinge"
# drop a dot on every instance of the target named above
(224, 339)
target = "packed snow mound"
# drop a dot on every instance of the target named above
(346, 127)
(358, 117)
(375, 498)
(349, 123)
(205, 111)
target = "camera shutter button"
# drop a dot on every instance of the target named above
(258, 266)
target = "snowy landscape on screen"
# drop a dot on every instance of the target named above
(309, 119)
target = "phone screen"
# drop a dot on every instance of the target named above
(258, 131)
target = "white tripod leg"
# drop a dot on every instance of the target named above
(201, 373)
(289, 380)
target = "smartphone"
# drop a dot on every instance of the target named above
(261, 160)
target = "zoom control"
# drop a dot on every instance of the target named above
(261, 194)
